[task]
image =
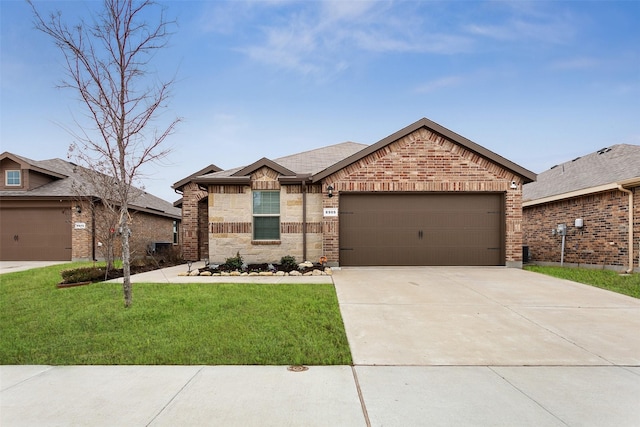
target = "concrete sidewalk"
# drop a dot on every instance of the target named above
(320, 396)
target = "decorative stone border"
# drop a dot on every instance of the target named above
(327, 272)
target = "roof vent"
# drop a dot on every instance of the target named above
(553, 167)
(604, 150)
(576, 159)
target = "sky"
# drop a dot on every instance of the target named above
(538, 83)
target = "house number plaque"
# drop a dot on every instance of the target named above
(330, 211)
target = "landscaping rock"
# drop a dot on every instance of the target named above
(206, 273)
(328, 271)
(316, 273)
(295, 273)
(266, 273)
(281, 273)
(253, 273)
(194, 273)
(183, 273)
(234, 273)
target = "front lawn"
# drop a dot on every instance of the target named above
(208, 324)
(605, 279)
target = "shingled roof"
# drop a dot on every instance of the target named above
(608, 165)
(305, 163)
(69, 179)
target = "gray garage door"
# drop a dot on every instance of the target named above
(422, 229)
(36, 234)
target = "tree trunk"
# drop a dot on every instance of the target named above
(126, 261)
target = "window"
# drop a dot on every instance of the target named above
(13, 178)
(266, 215)
(175, 232)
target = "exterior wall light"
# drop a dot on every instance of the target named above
(78, 209)
(330, 191)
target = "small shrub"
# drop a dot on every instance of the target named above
(288, 263)
(85, 274)
(233, 263)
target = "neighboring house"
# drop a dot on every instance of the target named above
(422, 196)
(597, 197)
(44, 217)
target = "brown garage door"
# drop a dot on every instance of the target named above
(421, 229)
(36, 234)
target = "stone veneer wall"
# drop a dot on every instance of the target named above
(424, 161)
(603, 241)
(231, 221)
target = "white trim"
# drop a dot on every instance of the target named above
(6, 178)
(571, 194)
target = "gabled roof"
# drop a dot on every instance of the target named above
(263, 162)
(29, 164)
(71, 179)
(207, 169)
(526, 175)
(609, 166)
(296, 166)
(315, 165)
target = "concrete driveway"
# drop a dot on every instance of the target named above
(13, 266)
(488, 316)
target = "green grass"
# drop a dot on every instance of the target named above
(605, 279)
(209, 324)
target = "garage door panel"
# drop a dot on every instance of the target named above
(40, 234)
(422, 229)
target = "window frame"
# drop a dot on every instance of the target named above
(265, 215)
(6, 178)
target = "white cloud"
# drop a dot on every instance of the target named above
(441, 83)
(575, 63)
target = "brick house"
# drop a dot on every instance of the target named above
(597, 198)
(421, 196)
(47, 213)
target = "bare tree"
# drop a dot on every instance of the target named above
(106, 63)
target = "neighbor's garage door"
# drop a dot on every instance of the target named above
(421, 229)
(35, 234)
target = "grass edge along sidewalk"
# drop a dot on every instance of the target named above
(605, 279)
(186, 324)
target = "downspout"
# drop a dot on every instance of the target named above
(630, 193)
(304, 220)
(93, 232)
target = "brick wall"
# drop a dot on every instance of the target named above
(145, 228)
(194, 208)
(81, 239)
(603, 241)
(426, 162)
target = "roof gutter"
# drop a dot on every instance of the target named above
(230, 180)
(570, 195)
